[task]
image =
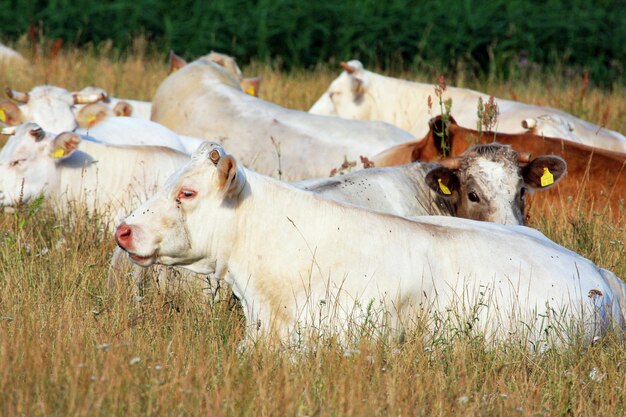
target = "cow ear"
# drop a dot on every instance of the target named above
(544, 171)
(10, 114)
(230, 178)
(64, 145)
(444, 182)
(123, 109)
(442, 134)
(92, 114)
(251, 86)
(358, 77)
(176, 62)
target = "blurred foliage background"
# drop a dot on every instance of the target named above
(498, 38)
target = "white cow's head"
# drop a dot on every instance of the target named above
(489, 182)
(250, 86)
(191, 219)
(28, 163)
(50, 107)
(347, 95)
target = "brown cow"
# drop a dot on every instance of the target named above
(595, 175)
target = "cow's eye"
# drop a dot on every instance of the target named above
(16, 162)
(473, 197)
(186, 194)
(522, 193)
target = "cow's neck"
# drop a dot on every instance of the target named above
(401, 109)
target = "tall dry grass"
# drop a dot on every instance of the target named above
(69, 346)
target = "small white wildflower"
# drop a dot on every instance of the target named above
(93, 378)
(503, 395)
(103, 346)
(428, 349)
(463, 399)
(43, 252)
(59, 243)
(134, 361)
(595, 375)
(157, 368)
(350, 352)
(370, 359)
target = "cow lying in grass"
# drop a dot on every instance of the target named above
(72, 169)
(364, 95)
(596, 174)
(300, 262)
(54, 109)
(497, 176)
(488, 183)
(203, 100)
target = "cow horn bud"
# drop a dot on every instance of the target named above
(346, 67)
(9, 130)
(523, 157)
(529, 123)
(214, 155)
(38, 133)
(451, 163)
(89, 98)
(17, 95)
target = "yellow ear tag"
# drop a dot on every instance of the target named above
(250, 90)
(547, 178)
(91, 118)
(3, 116)
(59, 153)
(443, 187)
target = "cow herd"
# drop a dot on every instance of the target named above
(208, 183)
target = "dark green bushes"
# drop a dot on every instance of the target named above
(499, 37)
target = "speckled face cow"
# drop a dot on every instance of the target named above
(489, 182)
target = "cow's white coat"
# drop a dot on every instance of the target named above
(203, 100)
(404, 104)
(102, 177)
(298, 261)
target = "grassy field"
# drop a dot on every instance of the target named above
(71, 347)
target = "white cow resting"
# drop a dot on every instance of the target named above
(364, 95)
(298, 261)
(203, 100)
(57, 110)
(488, 183)
(70, 168)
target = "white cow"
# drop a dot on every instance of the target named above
(11, 56)
(70, 168)
(488, 183)
(248, 85)
(300, 262)
(364, 95)
(203, 100)
(55, 110)
(51, 107)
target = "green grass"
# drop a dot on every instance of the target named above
(69, 346)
